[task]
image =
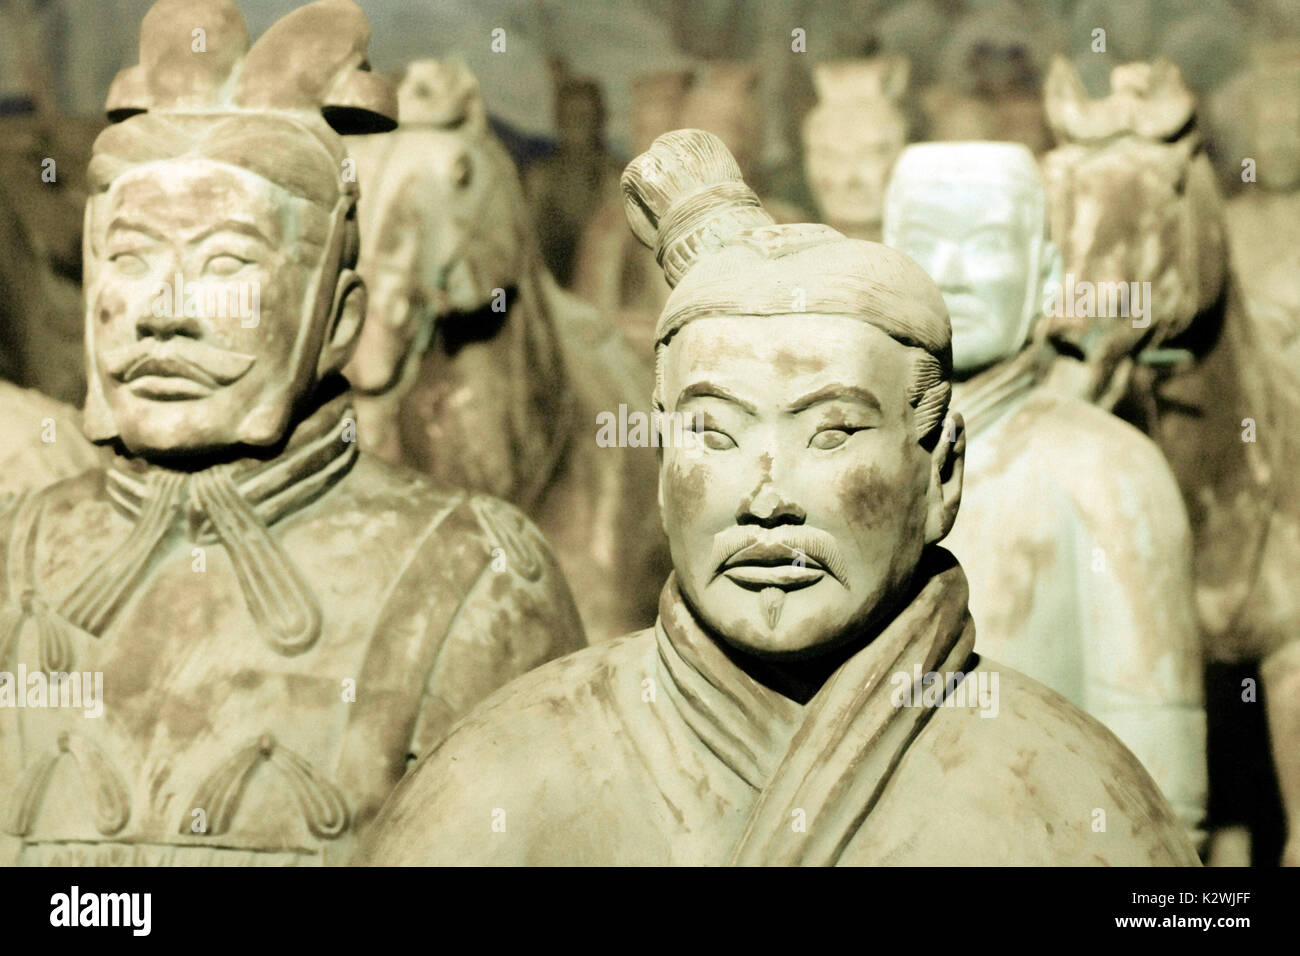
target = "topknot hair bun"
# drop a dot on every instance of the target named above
(685, 197)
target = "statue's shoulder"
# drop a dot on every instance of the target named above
(1088, 449)
(535, 739)
(1056, 777)
(557, 696)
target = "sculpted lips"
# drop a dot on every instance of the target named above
(790, 561)
(175, 369)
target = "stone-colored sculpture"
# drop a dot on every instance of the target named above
(565, 189)
(1134, 202)
(785, 708)
(40, 442)
(280, 622)
(43, 192)
(1072, 530)
(852, 137)
(614, 272)
(1264, 235)
(479, 369)
(988, 87)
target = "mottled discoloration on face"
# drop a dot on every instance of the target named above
(809, 477)
(221, 379)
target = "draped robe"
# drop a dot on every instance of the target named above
(276, 638)
(1079, 555)
(657, 749)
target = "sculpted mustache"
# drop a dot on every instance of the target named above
(816, 544)
(201, 363)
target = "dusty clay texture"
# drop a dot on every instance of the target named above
(479, 370)
(1072, 529)
(1203, 373)
(1264, 236)
(852, 137)
(613, 271)
(40, 441)
(809, 693)
(280, 621)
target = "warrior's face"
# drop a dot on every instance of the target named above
(848, 164)
(203, 281)
(982, 244)
(800, 516)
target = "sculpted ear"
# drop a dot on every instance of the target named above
(947, 466)
(347, 313)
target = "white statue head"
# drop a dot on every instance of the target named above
(974, 215)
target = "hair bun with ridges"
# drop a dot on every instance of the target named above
(685, 197)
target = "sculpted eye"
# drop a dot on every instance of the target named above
(128, 263)
(827, 438)
(716, 440)
(226, 264)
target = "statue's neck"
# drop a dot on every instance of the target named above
(512, 403)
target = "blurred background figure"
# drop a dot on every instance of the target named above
(852, 137)
(567, 187)
(475, 367)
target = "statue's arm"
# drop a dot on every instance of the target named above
(1142, 654)
(517, 614)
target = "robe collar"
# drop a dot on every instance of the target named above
(985, 397)
(833, 756)
(233, 504)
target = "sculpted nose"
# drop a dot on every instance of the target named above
(947, 268)
(163, 320)
(769, 505)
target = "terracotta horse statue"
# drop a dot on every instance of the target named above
(1135, 202)
(476, 368)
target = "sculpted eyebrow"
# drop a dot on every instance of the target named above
(709, 390)
(833, 393)
(234, 225)
(128, 225)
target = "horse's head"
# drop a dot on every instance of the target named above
(443, 221)
(1132, 200)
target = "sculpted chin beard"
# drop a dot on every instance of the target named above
(774, 564)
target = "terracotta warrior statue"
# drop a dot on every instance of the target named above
(1135, 208)
(988, 87)
(43, 192)
(614, 272)
(1072, 530)
(566, 188)
(479, 370)
(852, 137)
(810, 693)
(273, 623)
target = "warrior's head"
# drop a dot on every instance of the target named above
(817, 372)
(221, 236)
(854, 135)
(974, 216)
